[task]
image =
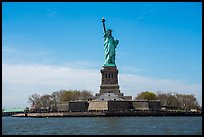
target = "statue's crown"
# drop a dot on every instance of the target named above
(109, 30)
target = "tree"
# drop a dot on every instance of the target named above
(55, 99)
(45, 101)
(146, 96)
(188, 101)
(163, 98)
(51, 101)
(178, 101)
(72, 95)
(86, 94)
(34, 99)
(66, 95)
(172, 101)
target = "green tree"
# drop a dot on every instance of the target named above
(66, 95)
(146, 96)
(85, 94)
(72, 95)
(51, 101)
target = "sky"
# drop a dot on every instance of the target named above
(50, 46)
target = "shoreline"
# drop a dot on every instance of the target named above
(107, 114)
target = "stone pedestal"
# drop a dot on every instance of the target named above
(109, 83)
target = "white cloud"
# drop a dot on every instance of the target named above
(20, 81)
(135, 84)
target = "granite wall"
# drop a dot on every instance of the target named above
(97, 105)
(78, 106)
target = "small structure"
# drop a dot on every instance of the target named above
(12, 111)
(108, 96)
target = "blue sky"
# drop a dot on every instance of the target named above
(48, 46)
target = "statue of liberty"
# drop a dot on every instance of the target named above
(109, 46)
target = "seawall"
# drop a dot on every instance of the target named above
(108, 114)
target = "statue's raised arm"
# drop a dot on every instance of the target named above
(104, 28)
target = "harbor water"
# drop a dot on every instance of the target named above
(170, 125)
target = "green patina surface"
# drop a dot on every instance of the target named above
(14, 110)
(109, 46)
(107, 64)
